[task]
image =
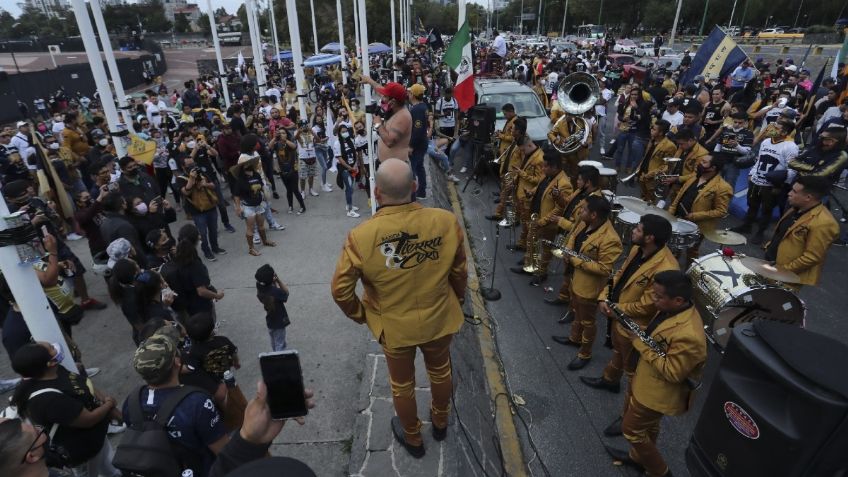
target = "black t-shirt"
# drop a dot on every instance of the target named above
(712, 112)
(63, 408)
(276, 316)
(214, 356)
(184, 279)
(536, 203)
(685, 204)
(418, 139)
(249, 189)
(744, 137)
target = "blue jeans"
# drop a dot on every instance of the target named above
(416, 160)
(440, 156)
(347, 180)
(207, 225)
(222, 206)
(278, 339)
(636, 150)
(321, 154)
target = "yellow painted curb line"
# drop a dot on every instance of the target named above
(513, 458)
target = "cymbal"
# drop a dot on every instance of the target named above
(766, 269)
(640, 207)
(725, 237)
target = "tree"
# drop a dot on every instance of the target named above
(203, 24)
(124, 18)
(220, 12)
(181, 23)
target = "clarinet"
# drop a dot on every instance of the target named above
(628, 323)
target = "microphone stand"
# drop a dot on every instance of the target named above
(491, 293)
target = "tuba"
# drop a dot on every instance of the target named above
(576, 94)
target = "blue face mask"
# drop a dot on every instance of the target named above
(60, 353)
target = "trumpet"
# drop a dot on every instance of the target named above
(533, 259)
(649, 341)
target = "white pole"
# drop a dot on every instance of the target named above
(521, 20)
(263, 79)
(314, 29)
(276, 40)
(403, 21)
(341, 40)
(369, 120)
(257, 56)
(356, 30)
(297, 55)
(29, 296)
(394, 39)
(110, 62)
(539, 20)
(99, 74)
(564, 14)
(221, 72)
(674, 27)
(460, 18)
(732, 12)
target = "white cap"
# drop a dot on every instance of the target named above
(22, 123)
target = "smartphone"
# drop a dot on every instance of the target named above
(284, 380)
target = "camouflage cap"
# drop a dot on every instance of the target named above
(155, 356)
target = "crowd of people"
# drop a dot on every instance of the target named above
(213, 162)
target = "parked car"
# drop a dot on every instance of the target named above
(620, 59)
(772, 31)
(624, 45)
(645, 49)
(496, 92)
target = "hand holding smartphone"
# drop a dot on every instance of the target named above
(284, 380)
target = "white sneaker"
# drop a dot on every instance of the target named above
(453, 178)
(73, 236)
(354, 208)
(92, 372)
(351, 213)
(256, 238)
(291, 210)
(327, 188)
(116, 428)
(603, 152)
(463, 170)
(278, 227)
(313, 193)
(333, 169)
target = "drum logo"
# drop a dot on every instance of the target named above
(741, 420)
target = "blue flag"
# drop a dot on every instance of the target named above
(717, 57)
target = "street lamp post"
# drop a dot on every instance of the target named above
(674, 26)
(704, 18)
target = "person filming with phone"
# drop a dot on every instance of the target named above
(411, 260)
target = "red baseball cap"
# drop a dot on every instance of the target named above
(393, 90)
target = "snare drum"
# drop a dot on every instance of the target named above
(596, 164)
(625, 222)
(727, 293)
(684, 235)
(609, 179)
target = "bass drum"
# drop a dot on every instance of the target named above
(727, 293)
(625, 222)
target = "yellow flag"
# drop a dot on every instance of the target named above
(141, 150)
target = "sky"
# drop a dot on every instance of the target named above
(231, 5)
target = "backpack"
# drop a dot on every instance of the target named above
(145, 448)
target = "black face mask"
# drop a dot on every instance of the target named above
(701, 170)
(361, 132)
(168, 244)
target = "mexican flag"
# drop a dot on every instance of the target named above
(458, 57)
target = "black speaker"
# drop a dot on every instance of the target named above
(777, 407)
(481, 123)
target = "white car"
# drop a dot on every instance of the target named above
(624, 45)
(645, 49)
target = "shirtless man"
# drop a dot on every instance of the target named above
(395, 127)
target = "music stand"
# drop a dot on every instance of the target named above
(491, 293)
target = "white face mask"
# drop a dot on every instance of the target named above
(345, 135)
(103, 142)
(191, 144)
(141, 208)
(54, 145)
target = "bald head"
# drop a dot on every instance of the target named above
(395, 182)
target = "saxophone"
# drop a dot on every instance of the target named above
(634, 327)
(533, 259)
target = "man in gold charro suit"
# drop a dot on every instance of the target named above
(506, 134)
(546, 207)
(560, 131)
(659, 147)
(632, 291)
(690, 152)
(662, 385)
(510, 159)
(805, 231)
(411, 260)
(528, 173)
(703, 199)
(597, 241)
(588, 179)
